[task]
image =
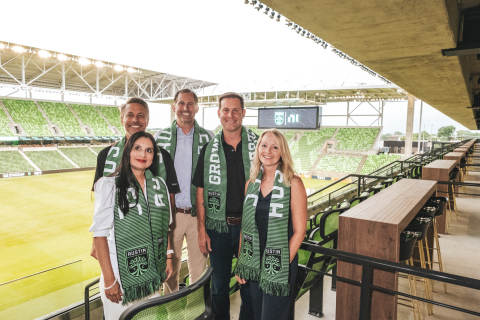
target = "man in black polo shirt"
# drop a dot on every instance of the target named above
(134, 115)
(220, 203)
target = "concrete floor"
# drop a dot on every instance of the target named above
(460, 250)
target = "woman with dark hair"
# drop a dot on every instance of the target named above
(131, 228)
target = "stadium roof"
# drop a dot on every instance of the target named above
(404, 43)
(310, 97)
(28, 68)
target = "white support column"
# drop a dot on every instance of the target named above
(348, 111)
(420, 127)
(409, 133)
(126, 85)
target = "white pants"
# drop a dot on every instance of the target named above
(113, 311)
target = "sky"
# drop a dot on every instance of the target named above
(222, 41)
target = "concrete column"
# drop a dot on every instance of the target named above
(172, 114)
(409, 133)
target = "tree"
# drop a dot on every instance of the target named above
(386, 136)
(446, 131)
(424, 136)
(398, 133)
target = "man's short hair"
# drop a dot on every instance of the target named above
(230, 95)
(134, 100)
(195, 98)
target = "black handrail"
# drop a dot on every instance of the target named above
(369, 264)
(87, 297)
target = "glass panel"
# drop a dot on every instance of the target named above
(41, 293)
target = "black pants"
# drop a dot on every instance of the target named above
(265, 306)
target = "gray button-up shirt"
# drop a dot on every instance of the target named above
(183, 167)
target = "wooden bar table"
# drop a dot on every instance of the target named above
(439, 170)
(457, 156)
(461, 150)
(372, 228)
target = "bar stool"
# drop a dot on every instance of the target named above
(387, 183)
(376, 189)
(452, 177)
(358, 199)
(407, 244)
(399, 177)
(421, 223)
(441, 203)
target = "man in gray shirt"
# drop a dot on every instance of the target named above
(184, 140)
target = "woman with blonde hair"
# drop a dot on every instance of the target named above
(273, 227)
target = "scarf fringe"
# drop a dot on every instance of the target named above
(247, 273)
(220, 226)
(141, 290)
(275, 288)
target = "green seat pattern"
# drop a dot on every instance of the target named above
(338, 164)
(13, 161)
(92, 118)
(49, 160)
(27, 114)
(375, 162)
(98, 149)
(358, 139)
(5, 130)
(82, 157)
(112, 114)
(60, 114)
(305, 151)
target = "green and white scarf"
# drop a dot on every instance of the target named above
(269, 268)
(114, 158)
(167, 139)
(141, 239)
(215, 175)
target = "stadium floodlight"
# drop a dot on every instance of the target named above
(18, 49)
(260, 6)
(2, 46)
(130, 70)
(99, 64)
(44, 54)
(62, 57)
(254, 2)
(118, 67)
(83, 61)
(266, 10)
(278, 17)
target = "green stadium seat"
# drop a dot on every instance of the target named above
(98, 149)
(112, 114)
(92, 118)
(60, 115)
(375, 162)
(338, 164)
(82, 156)
(29, 116)
(357, 139)
(49, 160)
(5, 130)
(13, 161)
(305, 150)
(193, 302)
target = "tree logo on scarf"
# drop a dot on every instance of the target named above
(214, 201)
(273, 261)
(279, 116)
(247, 246)
(137, 261)
(162, 252)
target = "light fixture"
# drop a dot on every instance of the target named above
(62, 57)
(44, 54)
(18, 49)
(272, 14)
(299, 29)
(2, 46)
(260, 6)
(118, 67)
(254, 2)
(83, 61)
(303, 33)
(278, 17)
(247, 2)
(99, 64)
(266, 10)
(130, 70)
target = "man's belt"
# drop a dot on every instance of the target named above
(231, 221)
(187, 211)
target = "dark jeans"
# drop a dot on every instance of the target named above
(224, 247)
(268, 307)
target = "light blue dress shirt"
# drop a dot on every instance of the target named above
(183, 168)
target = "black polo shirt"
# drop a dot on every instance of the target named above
(235, 177)
(171, 181)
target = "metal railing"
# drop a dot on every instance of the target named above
(366, 285)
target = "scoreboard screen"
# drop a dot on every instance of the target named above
(289, 118)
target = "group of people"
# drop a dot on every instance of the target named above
(232, 194)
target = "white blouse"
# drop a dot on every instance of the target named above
(103, 217)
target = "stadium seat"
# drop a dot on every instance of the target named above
(27, 114)
(305, 150)
(5, 130)
(92, 118)
(338, 164)
(112, 114)
(358, 139)
(375, 162)
(193, 302)
(82, 156)
(49, 160)
(60, 115)
(13, 161)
